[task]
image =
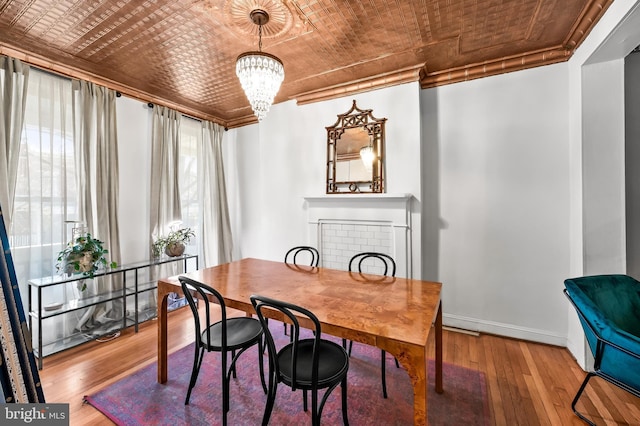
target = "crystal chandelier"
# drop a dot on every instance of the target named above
(260, 73)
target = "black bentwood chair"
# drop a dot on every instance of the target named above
(292, 254)
(233, 335)
(389, 266)
(309, 364)
(308, 252)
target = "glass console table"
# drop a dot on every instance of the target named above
(62, 315)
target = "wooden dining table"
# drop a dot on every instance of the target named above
(394, 314)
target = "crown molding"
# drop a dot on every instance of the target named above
(499, 66)
(405, 75)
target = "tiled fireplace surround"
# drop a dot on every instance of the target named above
(343, 225)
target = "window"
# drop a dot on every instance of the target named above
(190, 140)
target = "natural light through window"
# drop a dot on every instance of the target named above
(190, 139)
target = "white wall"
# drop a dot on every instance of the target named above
(503, 244)
(276, 163)
(134, 156)
(244, 170)
(603, 168)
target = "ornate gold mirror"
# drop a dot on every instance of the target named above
(355, 152)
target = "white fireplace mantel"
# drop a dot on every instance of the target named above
(338, 198)
(386, 211)
(396, 204)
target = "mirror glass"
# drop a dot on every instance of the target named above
(349, 165)
(355, 152)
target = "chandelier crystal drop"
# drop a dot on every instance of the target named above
(260, 73)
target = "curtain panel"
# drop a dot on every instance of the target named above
(96, 143)
(217, 246)
(96, 154)
(14, 78)
(165, 160)
(46, 185)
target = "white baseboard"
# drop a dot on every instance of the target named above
(461, 330)
(501, 329)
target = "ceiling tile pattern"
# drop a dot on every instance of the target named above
(182, 53)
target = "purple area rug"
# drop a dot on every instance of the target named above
(139, 400)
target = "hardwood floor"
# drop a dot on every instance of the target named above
(527, 383)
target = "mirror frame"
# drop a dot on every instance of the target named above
(356, 118)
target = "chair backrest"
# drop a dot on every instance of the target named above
(608, 307)
(616, 298)
(389, 263)
(314, 256)
(189, 287)
(292, 312)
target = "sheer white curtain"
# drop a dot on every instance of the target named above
(190, 156)
(217, 243)
(45, 188)
(96, 154)
(14, 78)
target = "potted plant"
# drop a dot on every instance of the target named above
(174, 243)
(84, 255)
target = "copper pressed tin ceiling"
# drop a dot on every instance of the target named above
(182, 53)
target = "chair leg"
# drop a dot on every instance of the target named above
(575, 400)
(344, 345)
(315, 416)
(197, 362)
(225, 398)
(345, 418)
(225, 382)
(290, 331)
(233, 366)
(305, 407)
(383, 368)
(265, 345)
(271, 397)
(261, 364)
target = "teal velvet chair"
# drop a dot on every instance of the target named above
(609, 309)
